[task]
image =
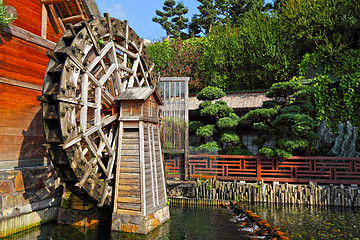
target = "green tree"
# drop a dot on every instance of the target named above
(5, 19)
(172, 19)
(328, 26)
(287, 119)
(207, 17)
(219, 121)
(179, 58)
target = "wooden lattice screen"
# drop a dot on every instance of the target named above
(175, 116)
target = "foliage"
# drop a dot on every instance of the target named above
(327, 26)
(223, 11)
(178, 58)
(210, 93)
(194, 125)
(172, 19)
(210, 147)
(219, 122)
(253, 55)
(238, 150)
(206, 131)
(288, 121)
(336, 82)
(161, 54)
(5, 19)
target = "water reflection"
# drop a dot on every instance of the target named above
(185, 223)
(300, 222)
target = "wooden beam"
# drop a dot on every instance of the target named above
(29, 37)
(43, 21)
(20, 84)
(76, 18)
(56, 18)
(49, 2)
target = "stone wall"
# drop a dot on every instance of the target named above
(309, 194)
(28, 197)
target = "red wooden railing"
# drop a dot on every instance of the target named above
(174, 168)
(296, 169)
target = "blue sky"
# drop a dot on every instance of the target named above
(139, 13)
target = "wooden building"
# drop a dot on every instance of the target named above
(23, 47)
(30, 191)
(140, 189)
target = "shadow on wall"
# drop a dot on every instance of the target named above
(32, 153)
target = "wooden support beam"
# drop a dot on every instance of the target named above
(56, 17)
(76, 18)
(49, 2)
(43, 21)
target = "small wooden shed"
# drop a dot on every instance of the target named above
(140, 188)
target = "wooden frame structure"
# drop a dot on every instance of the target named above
(175, 117)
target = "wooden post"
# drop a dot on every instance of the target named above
(43, 21)
(258, 167)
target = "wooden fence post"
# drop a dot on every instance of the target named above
(258, 167)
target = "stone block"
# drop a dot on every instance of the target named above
(19, 182)
(6, 187)
(11, 200)
(129, 228)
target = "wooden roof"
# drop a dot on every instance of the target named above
(245, 100)
(139, 93)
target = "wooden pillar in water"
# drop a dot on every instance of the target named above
(140, 192)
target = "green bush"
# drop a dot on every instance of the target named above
(210, 93)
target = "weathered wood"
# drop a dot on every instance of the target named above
(76, 18)
(29, 37)
(49, 2)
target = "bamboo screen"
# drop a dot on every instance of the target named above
(175, 116)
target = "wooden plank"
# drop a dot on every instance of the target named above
(151, 165)
(129, 170)
(128, 212)
(128, 188)
(125, 193)
(76, 18)
(129, 206)
(129, 176)
(49, 2)
(43, 21)
(129, 181)
(128, 200)
(142, 170)
(29, 37)
(155, 169)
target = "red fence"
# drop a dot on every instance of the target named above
(255, 168)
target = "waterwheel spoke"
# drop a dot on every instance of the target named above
(91, 145)
(103, 122)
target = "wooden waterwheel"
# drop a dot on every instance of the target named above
(90, 66)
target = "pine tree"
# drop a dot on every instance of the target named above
(172, 19)
(208, 14)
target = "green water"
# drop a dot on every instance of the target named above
(213, 224)
(217, 224)
(300, 222)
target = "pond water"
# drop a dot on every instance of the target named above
(300, 222)
(185, 223)
(296, 222)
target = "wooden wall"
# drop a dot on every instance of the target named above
(22, 68)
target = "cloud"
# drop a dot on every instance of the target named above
(113, 7)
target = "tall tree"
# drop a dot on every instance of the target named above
(208, 14)
(224, 11)
(172, 19)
